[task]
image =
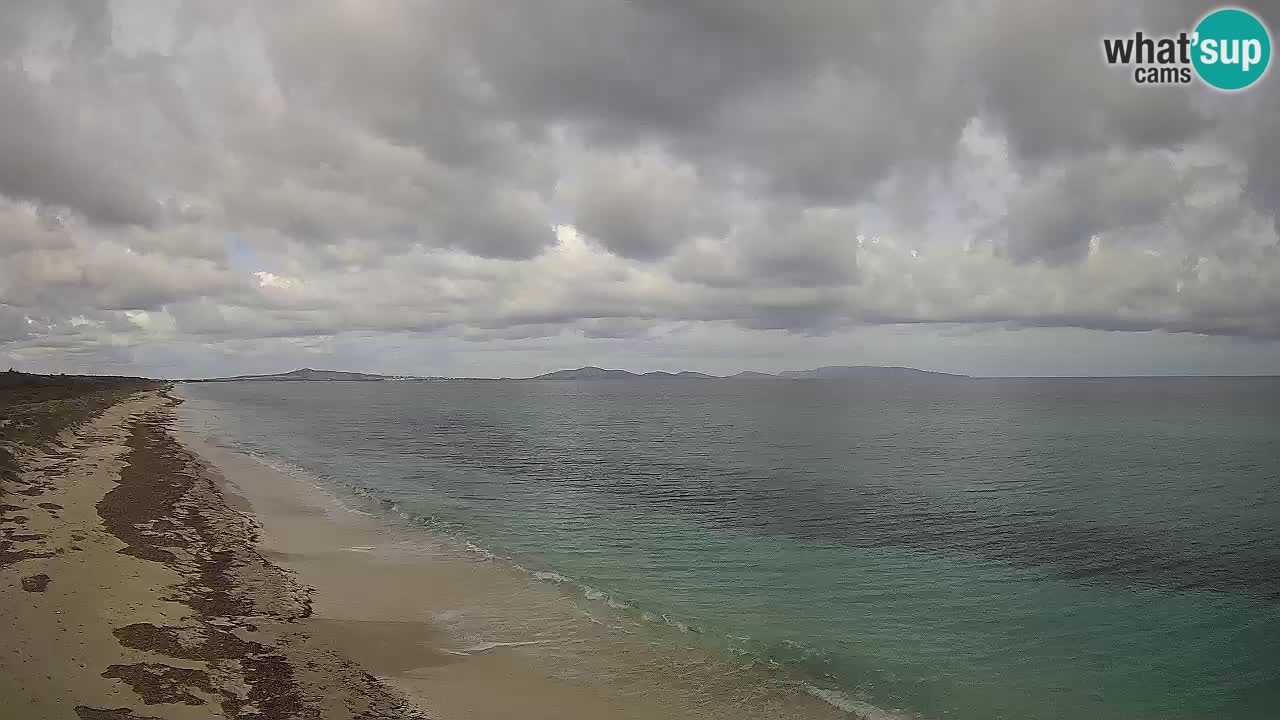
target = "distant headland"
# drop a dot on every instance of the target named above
(828, 372)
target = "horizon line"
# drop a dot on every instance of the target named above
(710, 376)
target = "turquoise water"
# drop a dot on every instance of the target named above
(961, 549)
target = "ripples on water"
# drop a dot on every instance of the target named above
(966, 549)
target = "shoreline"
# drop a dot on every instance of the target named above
(134, 590)
(146, 572)
(446, 625)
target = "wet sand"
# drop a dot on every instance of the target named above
(146, 572)
(130, 589)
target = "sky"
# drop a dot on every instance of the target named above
(491, 188)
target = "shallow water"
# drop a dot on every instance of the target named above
(957, 549)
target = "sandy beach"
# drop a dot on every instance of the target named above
(146, 572)
(130, 588)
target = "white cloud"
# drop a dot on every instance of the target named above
(272, 280)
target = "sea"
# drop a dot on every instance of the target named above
(960, 549)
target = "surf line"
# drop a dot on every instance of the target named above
(487, 646)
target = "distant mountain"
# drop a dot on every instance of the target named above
(683, 375)
(586, 373)
(594, 373)
(753, 375)
(306, 374)
(830, 372)
(862, 372)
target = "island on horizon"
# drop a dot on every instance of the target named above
(591, 372)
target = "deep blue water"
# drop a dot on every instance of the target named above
(962, 549)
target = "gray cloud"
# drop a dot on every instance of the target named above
(51, 151)
(1262, 148)
(1057, 215)
(640, 205)
(14, 325)
(595, 171)
(1043, 80)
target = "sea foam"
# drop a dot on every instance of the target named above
(857, 708)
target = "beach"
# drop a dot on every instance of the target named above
(150, 573)
(131, 588)
(549, 550)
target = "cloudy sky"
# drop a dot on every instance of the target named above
(502, 187)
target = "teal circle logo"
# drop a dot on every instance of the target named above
(1232, 49)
